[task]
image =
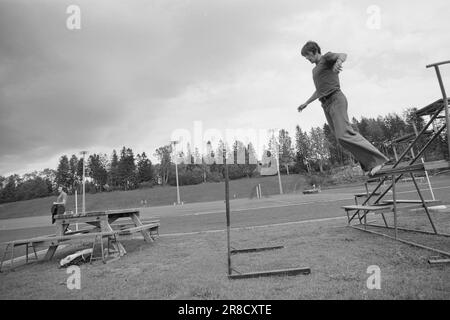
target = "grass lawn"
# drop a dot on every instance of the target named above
(194, 267)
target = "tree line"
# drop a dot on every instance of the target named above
(307, 152)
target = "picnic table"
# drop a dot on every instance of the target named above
(104, 225)
(102, 221)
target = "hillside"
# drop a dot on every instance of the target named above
(157, 196)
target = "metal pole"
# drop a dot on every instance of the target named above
(424, 203)
(227, 210)
(176, 173)
(277, 153)
(445, 102)
(423, 161)
(178, 188)
(394, 197)
(84, 193)
(76, 208)
(76, 202)
(404, 241)
(279, 176)
(84, 189)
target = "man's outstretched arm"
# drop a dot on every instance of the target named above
(303, 106)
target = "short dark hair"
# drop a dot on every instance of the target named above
(311, 47)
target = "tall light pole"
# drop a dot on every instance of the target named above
(176, 172)
(275, 149)
(84, 202)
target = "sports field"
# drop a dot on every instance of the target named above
(189, 259)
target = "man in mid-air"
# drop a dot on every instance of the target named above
(334, 104)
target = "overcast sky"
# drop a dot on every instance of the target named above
(137, 71)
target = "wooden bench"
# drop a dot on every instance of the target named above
(51, 240)
(150, 227)
(367, 208)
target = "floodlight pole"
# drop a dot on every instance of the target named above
(277, 153)
(84, 194)
(227, 209)
(176, 174)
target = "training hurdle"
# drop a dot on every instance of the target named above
(437, 110)
(232, 251)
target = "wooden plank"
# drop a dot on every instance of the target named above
(138, 229)
(50, 252)
(57, 238)
(282, 272)
(360, 195)
(433, 165)
(250, 250)
(431, 108)
(122, 211)
(367, 208)
(410, 201)
(419, 167)
(438, 261)
(130, 223)
(138, 223)
(80, 219)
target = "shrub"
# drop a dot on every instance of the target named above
(146, 184)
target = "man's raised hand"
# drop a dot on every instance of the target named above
(301, 107)
(337, 66)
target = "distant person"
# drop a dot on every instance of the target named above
(334, 103)
(59, 207)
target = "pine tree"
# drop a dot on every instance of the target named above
(164, 156)
(73, 178)
(127, 169)
(97, 170)
(319, 149)
(286, 155)
(144, 168)
(9, 192)
(113, 174)
(303, 150)
(63, 172)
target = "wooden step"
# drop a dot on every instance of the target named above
(367, 208)
(431, 108)
(419, 167)
(364, 194)
(139, 228)
(440, 164)
(409, 137)
(411, 201)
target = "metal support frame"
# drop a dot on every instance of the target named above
(401, 171)
(445, 253)
(230, 251)
(397, 173)
(363, 226)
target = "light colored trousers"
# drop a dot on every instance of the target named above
(335, 108)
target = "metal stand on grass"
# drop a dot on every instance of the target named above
(396, 172)
(232, 251)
